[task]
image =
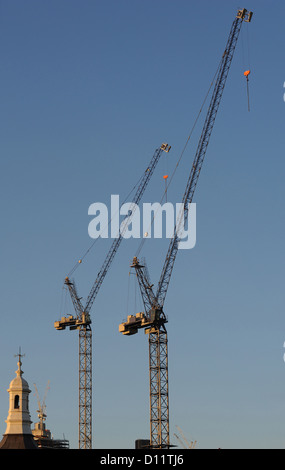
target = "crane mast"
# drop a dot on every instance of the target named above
(82, 320)
(153, 320)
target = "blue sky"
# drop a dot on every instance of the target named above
(88, 91)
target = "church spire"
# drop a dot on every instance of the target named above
(18, 434)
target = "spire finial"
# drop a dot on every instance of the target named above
(19, 371)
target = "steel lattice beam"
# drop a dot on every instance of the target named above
(85, 388)
(158, 380)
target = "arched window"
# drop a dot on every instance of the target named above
(17, 402)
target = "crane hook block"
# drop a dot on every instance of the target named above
(246, 73)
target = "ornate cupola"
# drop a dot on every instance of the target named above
(18, 434)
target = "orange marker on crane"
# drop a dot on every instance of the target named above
(165, 179)
(246, 74)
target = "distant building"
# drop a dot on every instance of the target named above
(43, 436)
(142, 444)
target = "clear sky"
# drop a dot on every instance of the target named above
(88, 91)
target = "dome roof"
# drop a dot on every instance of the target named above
(19, 383)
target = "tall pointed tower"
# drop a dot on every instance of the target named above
(18, 434)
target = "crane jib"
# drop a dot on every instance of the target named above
(201, 149)
(115, 245)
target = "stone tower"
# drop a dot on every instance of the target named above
(18, 434)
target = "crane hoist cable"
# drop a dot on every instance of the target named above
(79, 262)
(180, 158)
(246, 63)
(166, 177)
(246, 74)
(159, 297)
(140, 188)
